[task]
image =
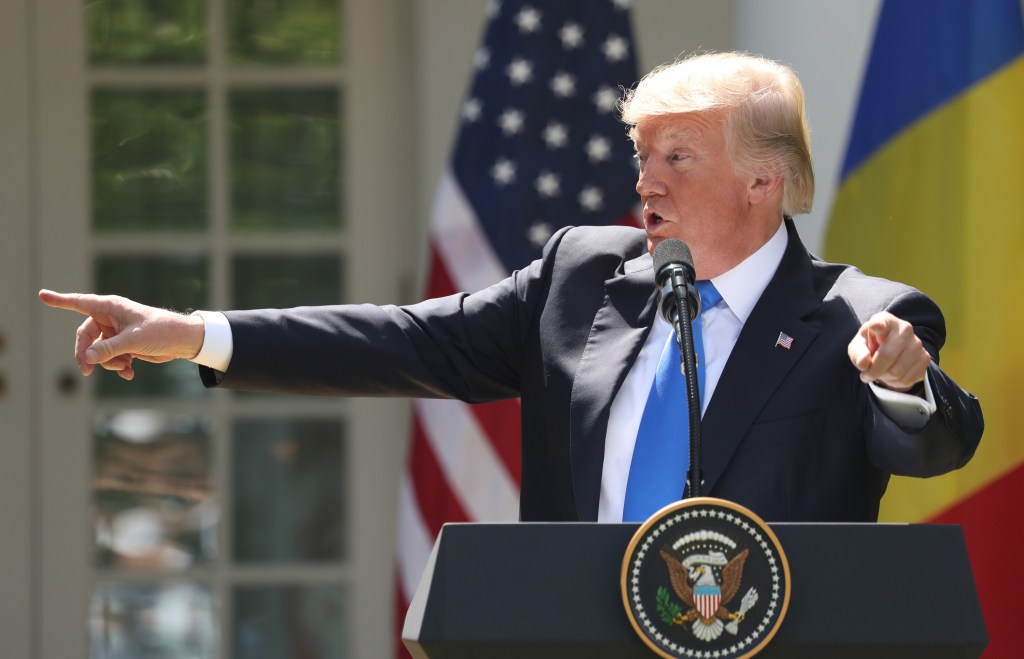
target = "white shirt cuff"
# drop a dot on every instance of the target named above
(217, 343)
(908, 410)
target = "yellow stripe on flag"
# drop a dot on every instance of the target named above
(941, 207)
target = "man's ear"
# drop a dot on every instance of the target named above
(766, 184)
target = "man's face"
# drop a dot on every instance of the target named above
(690, 190)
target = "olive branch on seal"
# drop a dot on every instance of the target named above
(670, 612)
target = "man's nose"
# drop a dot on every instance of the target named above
(650, 180)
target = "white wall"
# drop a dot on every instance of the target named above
(827, 44)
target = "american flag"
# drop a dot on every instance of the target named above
(784, 340)
(539, 146)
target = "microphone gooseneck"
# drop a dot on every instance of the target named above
(674, 276)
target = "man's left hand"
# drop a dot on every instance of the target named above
(887, 352)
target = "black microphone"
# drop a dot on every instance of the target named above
(674, 275)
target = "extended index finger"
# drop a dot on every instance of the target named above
(83, 303)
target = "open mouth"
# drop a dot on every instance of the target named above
(653, 219)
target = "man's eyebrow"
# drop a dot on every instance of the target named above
(668, 133)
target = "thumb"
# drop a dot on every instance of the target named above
(106, 349)
(860, 352)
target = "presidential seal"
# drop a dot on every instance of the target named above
(705, 578)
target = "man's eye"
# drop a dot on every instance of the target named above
(676, 157)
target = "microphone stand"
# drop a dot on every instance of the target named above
(688, 366)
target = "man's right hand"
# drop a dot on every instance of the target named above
(118, 330)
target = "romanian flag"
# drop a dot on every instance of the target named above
(932, 194)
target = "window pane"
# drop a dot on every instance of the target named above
(131, 621)
(285, 159)
(285, 281)
(148, 160)
(171, 282)
(153, 498)
(288, 483)
(146, 31)
(291, 621)
(271, 32)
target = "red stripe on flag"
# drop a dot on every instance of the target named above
(401, 605)
(502, 423)
(994, 530)
(439, 282)
(435, 499)
(629, 220)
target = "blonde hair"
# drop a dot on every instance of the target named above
(765, 120)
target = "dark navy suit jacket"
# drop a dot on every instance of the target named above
(792, 434)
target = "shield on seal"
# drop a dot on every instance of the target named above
(707, 599)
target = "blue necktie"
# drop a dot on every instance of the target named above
(661, 456)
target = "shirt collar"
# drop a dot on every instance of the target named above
(742, 286)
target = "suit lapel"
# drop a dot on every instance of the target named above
(757, 366)
(616, 337)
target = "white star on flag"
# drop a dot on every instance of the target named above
(503, 171)
(615, 48)
(471, 110)
(563, 85)
(571, 35)
(605, 99)
(511, 121)
(519, 71)
(555, 135)
(547, 184)
(598, 149)
(528, 20)
(590, 198)
(539, 233)
(481, 58)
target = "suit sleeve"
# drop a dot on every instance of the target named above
(950, 437)
(464, 346)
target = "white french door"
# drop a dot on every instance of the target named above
(197, 154)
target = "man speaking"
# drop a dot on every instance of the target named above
(817, 381)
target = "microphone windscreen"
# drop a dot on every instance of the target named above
(672, 251)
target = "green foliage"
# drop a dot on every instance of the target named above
(273, 32)
(149, 160)
(667, 609)
(146, 31)
(285, 159)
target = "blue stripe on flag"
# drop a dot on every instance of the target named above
(922, 57)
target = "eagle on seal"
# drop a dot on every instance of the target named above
(707, 606)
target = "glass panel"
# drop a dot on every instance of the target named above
(261, 282)
(146, 31)
(288, 490)
(148, 160)
(274, 32)
(153, 497)
(171, 282)
(285, 159)
(131, 621)
(291, 621)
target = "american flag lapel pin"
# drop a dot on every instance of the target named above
(784, 340)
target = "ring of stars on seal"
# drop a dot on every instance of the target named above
(705, 578)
